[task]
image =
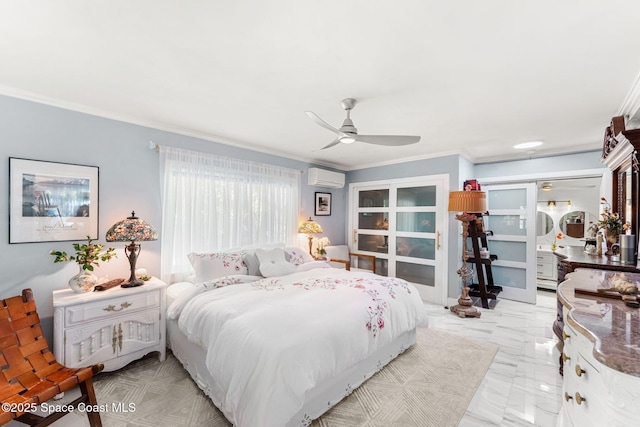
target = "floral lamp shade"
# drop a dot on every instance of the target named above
(309, 227)
(132, 229)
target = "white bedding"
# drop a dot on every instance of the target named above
(268, 342)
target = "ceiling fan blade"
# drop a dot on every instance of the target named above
(335, 142)
(313, 116)
(390, 140)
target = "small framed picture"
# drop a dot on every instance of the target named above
(323, 204)
(52, 202)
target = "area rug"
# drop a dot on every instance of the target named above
(431, 384)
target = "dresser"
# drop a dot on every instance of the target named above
(113, 327)
(571, 258)
(601, 354)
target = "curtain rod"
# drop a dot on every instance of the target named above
(156, 147)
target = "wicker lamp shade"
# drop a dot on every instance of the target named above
(468, 201)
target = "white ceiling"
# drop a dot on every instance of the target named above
(470, 77)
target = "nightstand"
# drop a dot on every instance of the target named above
(115, 327)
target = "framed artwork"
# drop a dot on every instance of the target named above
(323, 204)
(52, 202)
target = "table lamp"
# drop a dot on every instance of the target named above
(469, 203)
(132, 229)
(309, 227)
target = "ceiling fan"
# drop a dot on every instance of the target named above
(348, 134)
(549, 186)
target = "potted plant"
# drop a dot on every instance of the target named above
(612, 225)
(320, 250)
(87, 256)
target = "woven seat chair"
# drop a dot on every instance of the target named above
(30, 373)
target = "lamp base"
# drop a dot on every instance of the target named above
(132, 284)
(465, 308)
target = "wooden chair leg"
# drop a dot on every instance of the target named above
(86, 388)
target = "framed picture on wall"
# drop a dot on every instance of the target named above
(323, 204)
(51, 202)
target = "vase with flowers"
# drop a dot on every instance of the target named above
(611, 224)
(321, 243)
(87, 256)
(554, 243)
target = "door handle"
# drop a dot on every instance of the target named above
(437, 240)
(355, 235)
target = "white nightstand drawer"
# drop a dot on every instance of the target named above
(108, 307)
(113, 327)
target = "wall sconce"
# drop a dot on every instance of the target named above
(551, 204)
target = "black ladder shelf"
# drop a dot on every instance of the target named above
(485, 288)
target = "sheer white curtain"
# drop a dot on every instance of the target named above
(212, 203)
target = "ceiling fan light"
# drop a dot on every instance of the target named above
(347, 140)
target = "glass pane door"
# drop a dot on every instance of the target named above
(511, 218)
(400, 222)
(415, 228)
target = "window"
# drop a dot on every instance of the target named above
(213, 203)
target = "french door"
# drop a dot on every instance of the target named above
(512, 216)
(401, 222)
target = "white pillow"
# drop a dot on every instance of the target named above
(297, 256)
(213, 265)
(274, 263)
(251, 261)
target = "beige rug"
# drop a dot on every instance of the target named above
(431, 384)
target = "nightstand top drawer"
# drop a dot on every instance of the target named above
(87, 312)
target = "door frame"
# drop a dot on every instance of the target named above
(442, 225)
(603, 172)
(528, 294)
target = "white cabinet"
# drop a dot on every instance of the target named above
(547, 265)
(594, 394)
(113, 327)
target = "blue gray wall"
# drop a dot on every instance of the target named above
(129, 180)
(542, 165)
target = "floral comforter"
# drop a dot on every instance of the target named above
(270, 341)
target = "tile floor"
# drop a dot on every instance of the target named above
(522, 386)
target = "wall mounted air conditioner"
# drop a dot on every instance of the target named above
(325, 178)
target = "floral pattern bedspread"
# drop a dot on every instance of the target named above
(270, 341)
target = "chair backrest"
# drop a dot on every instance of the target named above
(24, 352)
(30, 372)
(338, 252)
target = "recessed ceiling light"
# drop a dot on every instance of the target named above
(530, 144)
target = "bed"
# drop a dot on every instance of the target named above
(275, 344)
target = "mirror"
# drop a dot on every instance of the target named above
(544, 223)
(573, 224)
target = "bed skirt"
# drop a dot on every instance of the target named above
(318, 400)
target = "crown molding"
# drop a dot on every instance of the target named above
(630, 107)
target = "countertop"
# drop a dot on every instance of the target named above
(578, 258)
(613, 327)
